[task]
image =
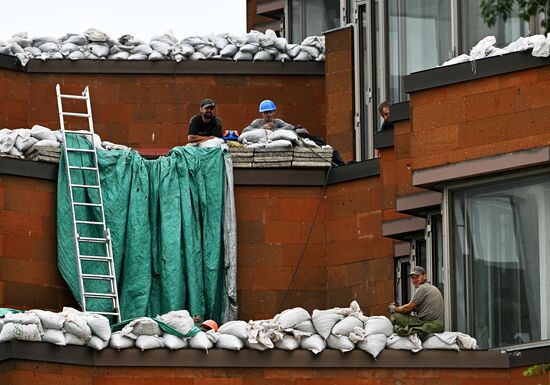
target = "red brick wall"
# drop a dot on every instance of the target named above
(339, 90)
(152, 111)
(24, 372)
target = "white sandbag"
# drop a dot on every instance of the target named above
(99, 49)
(481, 49)
(373, 344)
(197, 56)
(119, 56)
(292, 317)
(281, 56)
(243, 56)
(342, 343)
(142, 48)
(49, 319)
(312, 51)
(186, 49)
(254, 136)
(95, 35)
(280, 43)
(160, 47)
(146, 342)
(167, 38)
(314, 41)
(141, 326)
(220, 42)
(289, 135)
(263, 56)
(76, 55)
(77, 40)
(140, 56)
(206, 50)
(411, 343)
(56, 56)
(75, 324)
(346, 326)
(200, 341)
(234, 328)
(324, 321)
(33, 51)
(54, 336)
(22, 38)
(7, 140)
(38, 41)
(97, 343)
(250, 48)
(119, 341)
(541, 47)
(99, 325)
(49, 47)
(306, 326)
(73, 339)
(279, 144)
(90, 56)
(293, 50)
(24, 319)
(15, 48)
(433, 341)
(194, 40)
(288, 343)
(379, 325)
(229, 50)
(315, 343)
(230, 342)
(47, 143)
(67, 48)
(302, 56)
(456, 60)
(180, 320)
(24, 332)
(14, 151)
(42, 133)
(174, 342)
(256, 346)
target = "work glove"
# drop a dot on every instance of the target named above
(392, 307)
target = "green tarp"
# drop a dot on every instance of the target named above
(166, 223)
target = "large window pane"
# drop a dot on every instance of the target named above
(313, 17)
(473, 28)
(419, 38)
(501, 261)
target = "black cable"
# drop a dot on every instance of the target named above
(307, 239)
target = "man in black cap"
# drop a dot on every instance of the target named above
(205, 125)
(427, 303)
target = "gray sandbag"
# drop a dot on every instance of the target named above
(302, 56)
(206, 50)
(186, 49)
(321, 57)
(56, 56)
(250, 48)
(315, 343)
(142, 48)
(42, 133)
(291, 317)
(341, 343)
(280, 43)
(243, 56)
(161, 47)
(25, 332)
(293, 50)
(119, 341)
(95, 35)
(38, 41)
(263, 56)
(97, 343)
(5, 50)
(98, 49)
(54, 336)
(306, 327)
(140, 56)
(288, 343)
(67, 48)
(130, 40)
(197, 56)
(76, 55)
(324, 321)
(33, 51)
(235, 328)
(230, 342)
(155, 56)
(253, 38)
(229, 50)
(146, 342)
(174, 342)
(219, 42)
(374, 344)
(23, 144)
(194, 40)
(312, 51)
(22, 38)
(282, 57)
(379, 325)
(15, 48)
(119, 56)
(49, 47)
(76, 39)
(314, 41)
(346, 326)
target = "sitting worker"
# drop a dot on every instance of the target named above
(268, 120)
(427, 303)
(206, 125)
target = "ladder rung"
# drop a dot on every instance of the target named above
(90, 239)
(77, 114)
(95, 258)
(79, 149)
(84, 186)
(101, 277)
(88, 222)
(86, 204)
(89, 133)
(77, 97)
(99, 295)
(82, 168)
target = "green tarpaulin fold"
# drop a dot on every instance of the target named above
(166, 218)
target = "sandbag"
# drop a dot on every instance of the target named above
(379, 325)
(346, 326)
(292, 317)
(73, 339)
(288, 343)
(280, 43)
(56, 56)
(77, 55)
(229, 50)
(263, 56)
(24, 332)
(180, 320)
(97, 343)
(186, 49)
(220, 42)
(234, 328)
(243, 56)
(33, 51)
(174, 342)
(77, 40)
(230, 342)
(54, 336)
(201, 341)
(24, 319)
(119, 341)
(67, 48)
(42, 133)
(48, 319)
(342, 343)
(315, 343)
(161, 47)
(373, 344)
(146, 342)
(250, 48)
(324, 321)
(302, 56)
(47, 143)
(433, 341)
(206, 50)
(281, 134)
(38, 41)
(293, 50)
(98, 49)
(481, 49)
(76, 325)
(139, 56)
(141, 326)
(90, 56)
(306, 326)
(22, 38)
(119, 56)
(254, 136)
(312, 51)
(99, 325)
(197, 56)
(256, 346)
(193, 40)
(143, 49)
(95, 35)
(49, 47)
(411, 343)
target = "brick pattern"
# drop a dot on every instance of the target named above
(15, 372)
(339, 90)
(152, 111)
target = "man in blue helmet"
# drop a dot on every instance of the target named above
(268, 120)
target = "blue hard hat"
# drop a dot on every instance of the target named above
(267, 105)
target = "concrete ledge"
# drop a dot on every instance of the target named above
(401, 228)
(414, 204)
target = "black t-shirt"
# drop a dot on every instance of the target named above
(211, 128)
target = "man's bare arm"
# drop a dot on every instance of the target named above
(407, 308)
(197, 138)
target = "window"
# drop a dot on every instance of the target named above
(500, 261)
(312, 17)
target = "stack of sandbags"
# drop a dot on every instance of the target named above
(242, 157)
(272, 157)
(305, 156)
(96, 45)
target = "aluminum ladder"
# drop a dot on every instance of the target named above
(82, 163)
